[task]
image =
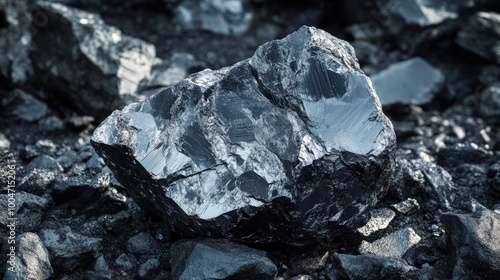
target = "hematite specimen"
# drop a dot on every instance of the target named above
(286, 146)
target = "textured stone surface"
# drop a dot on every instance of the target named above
(289, 142)
(393, 245)
(473, 242)
(379, 219)
(86, 62)
(482, 35)
(218, 259)
(33, 260)
(24, 106)
(489, 107)
(412, 81)
(226, 17)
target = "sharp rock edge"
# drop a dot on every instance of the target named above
(287, 146)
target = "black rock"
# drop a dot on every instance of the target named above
(290, 144)
(221, 17)
(393, 245)
(87, 63)
(473, 242)
(412, 81)
(70, 250)
(408, 180)
(370, 267)
(39, 174)
(489, 106)
(461, 153)
(481, 35)
(24, 106)
(15, 39)
(218, 259)
(146, 269)
(30, 211)
(143, 243)
(32, 259)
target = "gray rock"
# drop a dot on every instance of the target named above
(30, 210)
(393, 245)
(32, 259)
(379, 219)
(142, 243)
(70, 250)
(494, 177)
(286, 145)
(146, 269)
(126, 261)
(218, 259)
(4, 142)
(24, 106)
(489, 106)
(100, 270)
(371, 267)
(87, 62)
(482, 35)
(406, 206)
(473, 242)
(171, 71)
(15, 39)
(419, 12)
(39, 173)
(412, 81)
(230, 17)
(438, 182)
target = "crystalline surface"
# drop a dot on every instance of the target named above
(422, 12)
(288, 144)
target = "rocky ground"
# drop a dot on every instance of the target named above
(435, 68)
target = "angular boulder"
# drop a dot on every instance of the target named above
(87, 63)
(288, 145)
(481, 35)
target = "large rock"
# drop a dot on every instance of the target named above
(482, 35)
(413, 81)
(286, 145)
(473, 242)
(86, 62)
(218, 259)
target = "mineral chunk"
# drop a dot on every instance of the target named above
(87, 62)
(482, 36)
(229, 17)
(284, 146)
(393, 245)
(412, 81)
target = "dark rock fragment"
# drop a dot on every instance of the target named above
(230, 17)
(86, 62)
(30, 210)
(286, 145)
(24, 106)
(489, 106)
(68, 249)
(142, 243)
(393, 245)
(32, 259)
(218, 259)
(473, 242)
(412, 81)
(494, 177)
(482, 35)
(461, 153)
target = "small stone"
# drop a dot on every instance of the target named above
(24, 106)
(80, 122)
(218, 259)
(406, 206)
(367, 267)
(70, 250)
(146, 269)
(230, 17)
(494, 178)
(126, 261)
(473, 242)
(489, 106)
(30, 211)
(4, 142)
(438, 182)
(408, 180)
(143, 243)
(32, 259)
(51, 123)
(412, 81)
(100, 270)
(39, 173)
(393, 245)
(481, 35)
(460, 153)
(380, 219)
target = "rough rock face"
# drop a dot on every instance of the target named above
(284, 146)
(474, 243)
(482, 35)
(85, 61)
